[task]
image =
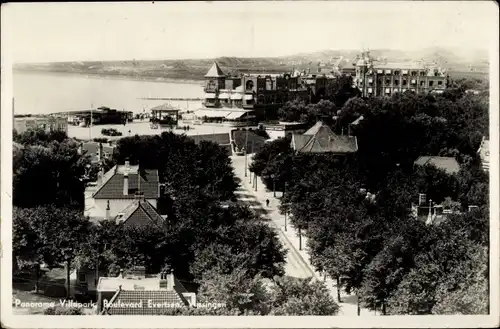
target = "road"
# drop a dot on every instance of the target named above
(295, 266)
(297, 261)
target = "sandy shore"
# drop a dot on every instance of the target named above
(143, 128)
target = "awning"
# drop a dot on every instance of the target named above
(387, 71)
(387, 90)
(248, 97)
(413, 81)
(370, 80)
(224, 96)
(235, 115)
(405, 71)
(236, 96)
(211, 113)
(370, 90)
(209, 95)
(380, 71)
(396, 90)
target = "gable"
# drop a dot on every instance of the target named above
(112, 186)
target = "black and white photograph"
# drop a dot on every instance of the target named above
(250, 164)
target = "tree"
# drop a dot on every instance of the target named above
(56, 234)
(268, 152)
(26, 244)
(51, 174)
(293, 111)
(237, 290)
(181, 162)
(466, 290)
(296, 296)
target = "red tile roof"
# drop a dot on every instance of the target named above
(112, 184)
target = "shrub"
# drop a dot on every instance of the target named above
(57, 310)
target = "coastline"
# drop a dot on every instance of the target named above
(112, 77)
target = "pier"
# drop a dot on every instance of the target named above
(170, 99)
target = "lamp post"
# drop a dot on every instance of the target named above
(286, 212)
(274, 185)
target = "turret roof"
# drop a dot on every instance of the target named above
(215, 71)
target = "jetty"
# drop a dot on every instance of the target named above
(170, 99)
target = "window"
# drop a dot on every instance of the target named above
(387, 81)
(396, 82)
(82, 277)
(422, 83)
(422, 73)
(370, 81)
(405, 82)
(440, 83)
(249, 85)
(413, 73)
(431, 83)
(396, 73)
(396, 90)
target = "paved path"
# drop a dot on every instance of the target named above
(298, 263)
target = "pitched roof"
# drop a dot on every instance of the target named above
(321, 139)
(139, 212)
(448, 164)
(214, 71)
(161, 299)
(112, 183)
(221, 139)
(165, 107)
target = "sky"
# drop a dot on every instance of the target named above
(45, 32)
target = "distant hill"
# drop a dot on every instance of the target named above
(458, 60)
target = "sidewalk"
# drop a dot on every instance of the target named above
(349, 302)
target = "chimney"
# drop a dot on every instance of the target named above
(108, 210)
(422, 198)
(163, 280)
(125, 183)
(471, 208)
(139, 196)
(170, 280)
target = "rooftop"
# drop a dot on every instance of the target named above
(112, 183)
(321, 139)
(215, 71)
(448, 164)
(139, 212)
(165, 107)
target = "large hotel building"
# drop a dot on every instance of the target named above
(384, 79)
(261, 94)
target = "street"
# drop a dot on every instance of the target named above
(297, 261)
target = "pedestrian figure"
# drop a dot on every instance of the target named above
(267, 202)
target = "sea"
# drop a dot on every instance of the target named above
(44, 93)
